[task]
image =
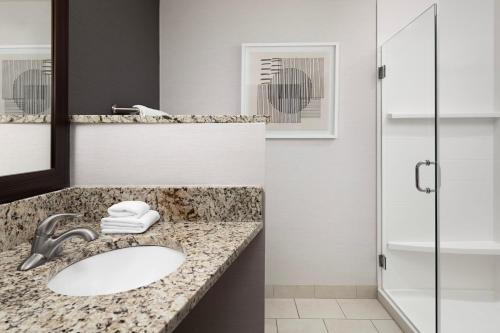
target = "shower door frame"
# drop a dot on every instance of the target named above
(399, 316)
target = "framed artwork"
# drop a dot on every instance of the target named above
(295, 85)
(25, 79)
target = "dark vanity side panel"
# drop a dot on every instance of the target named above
(113, 54)
(236, 302)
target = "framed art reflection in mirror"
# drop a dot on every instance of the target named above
(34, 128)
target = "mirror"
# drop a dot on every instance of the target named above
(26, 82)
(34, 129)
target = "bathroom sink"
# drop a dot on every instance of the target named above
(117, 271)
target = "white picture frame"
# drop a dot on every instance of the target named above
(329, 106)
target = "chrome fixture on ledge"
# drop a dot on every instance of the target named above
(123, 111)
(45, 247)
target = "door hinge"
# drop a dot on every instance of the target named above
(382, 261)
(382, 72)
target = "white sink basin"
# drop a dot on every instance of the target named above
(117, 271)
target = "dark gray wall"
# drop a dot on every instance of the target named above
(113, 54)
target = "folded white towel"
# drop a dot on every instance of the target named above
(129, 225)
(145, 111)
(128, 209)
(122, 231)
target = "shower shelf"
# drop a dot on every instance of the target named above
(485, 115)
(456, 247)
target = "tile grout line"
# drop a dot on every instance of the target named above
(296, 308)
(276, 318)
(340, 306)
(373, 324)
(345, 317)
(326, 327)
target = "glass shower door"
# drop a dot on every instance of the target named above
(408, 175)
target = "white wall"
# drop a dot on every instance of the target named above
(168, 154)
(24, 148)
(320, 206)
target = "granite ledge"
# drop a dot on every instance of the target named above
(24, 119)
(28, 305)
(167, 119)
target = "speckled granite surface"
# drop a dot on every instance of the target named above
(170, 119)
(21, 119)
(18, 220)
(205, 223)
(135, 119)
(27, 305)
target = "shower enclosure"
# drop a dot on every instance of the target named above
(439, 169)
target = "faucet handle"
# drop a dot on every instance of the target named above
(48, 226)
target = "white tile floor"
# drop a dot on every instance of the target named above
(302, 315)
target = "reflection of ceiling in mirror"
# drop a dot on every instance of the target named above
(48, 1)
(25, 22)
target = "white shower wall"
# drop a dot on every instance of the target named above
(469, 153)
(470, 168)
(496, 137)
(467, 85)
(496, 140)
(466, 48)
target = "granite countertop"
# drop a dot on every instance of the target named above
(24, 119)
(211, 247)
(167, 119)
(135, 119)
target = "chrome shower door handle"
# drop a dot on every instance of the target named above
(417, 177)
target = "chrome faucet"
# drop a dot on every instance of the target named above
(45, 246)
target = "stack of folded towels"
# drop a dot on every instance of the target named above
(129, 217)
(145, 111)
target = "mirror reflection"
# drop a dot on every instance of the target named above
(26, 85)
